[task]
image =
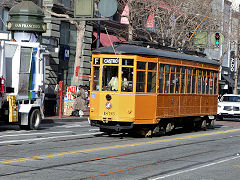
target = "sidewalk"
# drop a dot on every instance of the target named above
(55, 119)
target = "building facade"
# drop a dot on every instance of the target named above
(228, 51)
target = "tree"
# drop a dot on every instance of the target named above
(172, 21)
(80, 27)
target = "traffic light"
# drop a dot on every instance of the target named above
(217, 39)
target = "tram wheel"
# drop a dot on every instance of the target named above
(166, 128)
(169, 127)
(204, 125)
(210, 124)
(200, 125)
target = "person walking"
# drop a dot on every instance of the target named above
(79, 104)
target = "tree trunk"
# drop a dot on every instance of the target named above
(79, 45)
(235, 91)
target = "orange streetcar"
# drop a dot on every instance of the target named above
(151, 91)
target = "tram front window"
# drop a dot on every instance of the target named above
(110, 78)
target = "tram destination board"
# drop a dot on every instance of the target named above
(110, 61)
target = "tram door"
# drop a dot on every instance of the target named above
(146, 90)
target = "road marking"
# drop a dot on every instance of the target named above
(109, 147)
(73, 126)
(193, 169)
(53, 137)
(32, 134)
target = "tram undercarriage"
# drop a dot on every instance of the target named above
(165, 126)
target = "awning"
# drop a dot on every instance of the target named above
(107, 40)
(229, 80)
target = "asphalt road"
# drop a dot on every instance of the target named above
(74, 150)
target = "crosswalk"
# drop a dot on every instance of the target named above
(58, 131)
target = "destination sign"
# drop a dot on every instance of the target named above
(110, 61)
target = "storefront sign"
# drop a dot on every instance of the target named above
(70, 91)
(232, 64)
(69, 100)
(26, 26)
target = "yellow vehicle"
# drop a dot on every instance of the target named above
(151, 91)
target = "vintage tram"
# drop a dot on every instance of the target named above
(151, 91)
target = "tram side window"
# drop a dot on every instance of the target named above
(172, 81)
(194, 80)
(189, 80)
(127, 62)
(203, 81)
(110, 78)
(207, 82)
(152, 77)
(152, 66)
(141, 65)
(211, 83)
(151, 82)
(140, 81)
(183, 80)
(127, 79)
(96, 78)
(167, 76)
(178, 68)
(199, 81)
(161, 78)
(215, 82)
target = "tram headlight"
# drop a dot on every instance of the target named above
(108, 105)
(108, 97)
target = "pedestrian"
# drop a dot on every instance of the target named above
(79, 103)
(219, 97)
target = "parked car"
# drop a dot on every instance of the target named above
(229, 106)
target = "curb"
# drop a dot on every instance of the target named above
(49, 120)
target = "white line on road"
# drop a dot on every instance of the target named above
(32, 134)
(193, 169)
(54, 137)
(73, 126)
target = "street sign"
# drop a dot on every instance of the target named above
(200, 39)
(66, 53)
(107, 8)
(83, 8)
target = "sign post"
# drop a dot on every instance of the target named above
(61, 89)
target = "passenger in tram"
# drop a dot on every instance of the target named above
(113, 83)
(124, 84)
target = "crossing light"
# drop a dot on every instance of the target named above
(217, 38)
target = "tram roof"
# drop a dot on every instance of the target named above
(137, 50)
